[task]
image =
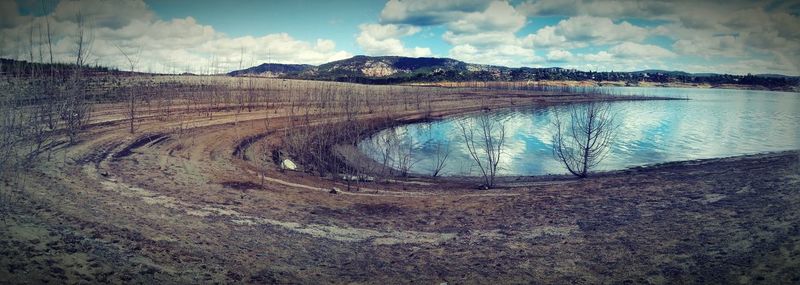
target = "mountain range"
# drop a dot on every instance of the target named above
(397, 69)
(366, 68)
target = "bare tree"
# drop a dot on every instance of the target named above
(9, 123)
(75, 110)
(386, 144)
(405, 161)
(133, 59)
(83, 40)
(37, 122)
(583, 142)
(484, 137)
(265, 159)
(49, 38)
(442, 152)
(30, 42)
(39, 42)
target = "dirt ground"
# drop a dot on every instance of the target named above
(162, 207)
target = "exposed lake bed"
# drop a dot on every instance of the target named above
(194, 206)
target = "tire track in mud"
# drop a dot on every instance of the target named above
(99, 153)
(241, 148)
(336, 233)
(152, 139)
(379, 193)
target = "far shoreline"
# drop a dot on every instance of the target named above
(593, 83)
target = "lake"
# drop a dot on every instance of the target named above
(713, 123)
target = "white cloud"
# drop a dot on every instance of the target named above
(378, 39)
(481, 39)
(738, 30)
(494, 26)
(101, 13)
(479, 31)
(382, 32)
(701, 13)
(174, 45)
(602, 56)
(614, 9)
(599, 30)
(582, 31)
(707, 46)
(499, 16)
(9, 16)
(733, 29)
(505, 55)
(627, 56)
(281, 47)
(727, 36)
(425, 13)
(546, 37)
(559, 55)
(641, 51)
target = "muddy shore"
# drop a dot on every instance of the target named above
(182, 207)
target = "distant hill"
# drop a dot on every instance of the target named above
(397, 69)
(657, 71)
(380, 69)
(388, 66)
(772, 75)
(272, 70)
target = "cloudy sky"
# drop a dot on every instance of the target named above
(216, 36)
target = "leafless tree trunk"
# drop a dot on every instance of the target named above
(405, 161)
(440, 158)
(484, 137)
(265, 158)
(386, 143)
(583, 142)
(49, 38)
(83, 41)
(133, 59)
(30, 42)
(39, 42)
(76, 109)
(38, 116)
(9, 122)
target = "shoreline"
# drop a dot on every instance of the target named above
(508, 182)
(349, 154)
(592, 83)
(193, 198)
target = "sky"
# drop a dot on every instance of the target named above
(202, 36)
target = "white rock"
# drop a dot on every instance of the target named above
(288, 165)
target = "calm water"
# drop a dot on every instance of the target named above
(714, 123)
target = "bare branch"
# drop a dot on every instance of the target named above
(487, 148)
(585, 141)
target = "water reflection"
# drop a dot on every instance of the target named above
(714, 123)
